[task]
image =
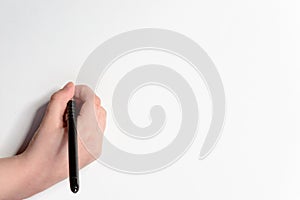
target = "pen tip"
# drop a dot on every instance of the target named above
(74, 185)
(74, 189)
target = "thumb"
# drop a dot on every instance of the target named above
(57, 106)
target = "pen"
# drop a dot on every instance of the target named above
(72, 147)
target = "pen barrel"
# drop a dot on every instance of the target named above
(72, 146)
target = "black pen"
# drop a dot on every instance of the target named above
(72, 147)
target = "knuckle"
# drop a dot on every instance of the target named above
(84, 93)
(86, 88)
(97, 100)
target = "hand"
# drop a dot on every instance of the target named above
(45, 160)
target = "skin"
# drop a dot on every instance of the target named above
(24, 175)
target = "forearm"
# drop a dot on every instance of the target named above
(20, 178)
(13, 178)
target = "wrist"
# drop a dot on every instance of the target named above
(31, 180)
(43, 172)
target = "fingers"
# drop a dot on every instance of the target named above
(91, 106)
(101, 116)
(97, 100)
(91, 110)
(84, 93)
(57, 105)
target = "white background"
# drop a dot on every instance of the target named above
(255, 46)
